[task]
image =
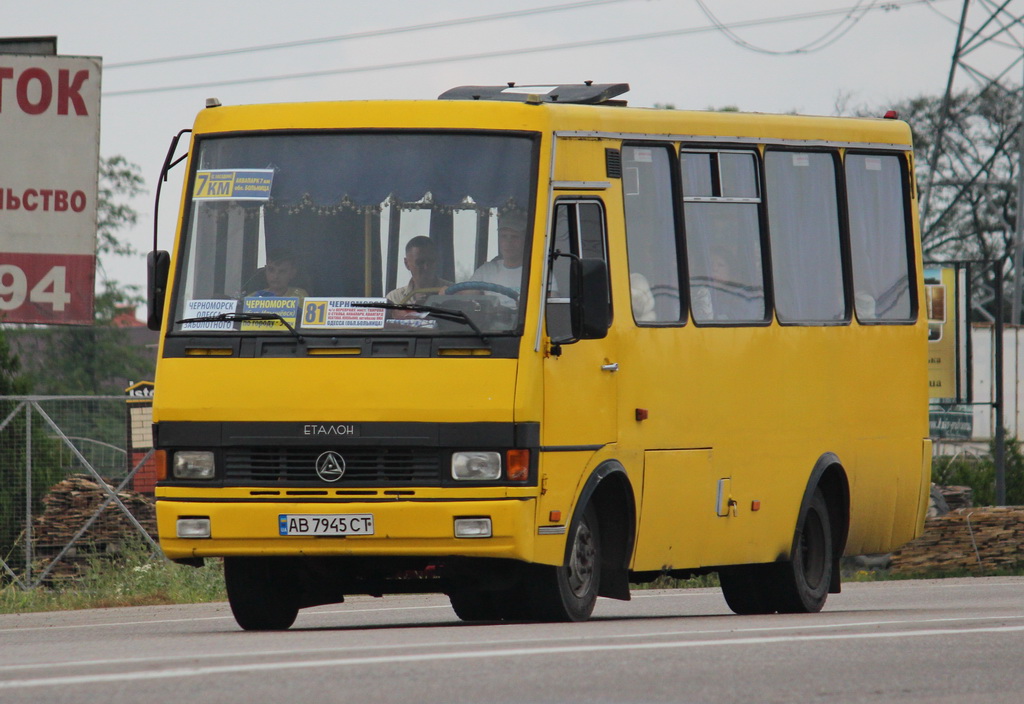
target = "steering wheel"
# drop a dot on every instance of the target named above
(411, 296)
(484, 286)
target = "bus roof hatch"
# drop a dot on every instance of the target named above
(587, 93)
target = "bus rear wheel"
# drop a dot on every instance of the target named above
(568, 592)
(260, 597)
(799, 585)
(749, 589)
(805, 579)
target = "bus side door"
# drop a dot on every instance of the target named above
(580, 389)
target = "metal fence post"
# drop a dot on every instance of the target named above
(1000, 448)
(28, 493)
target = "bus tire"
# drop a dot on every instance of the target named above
(259, 596)
(474, 604)
(568, 592)
(471, 605)
(804, 579)
(749, 589)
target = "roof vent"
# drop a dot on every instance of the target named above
(586, 93)
(613, 163)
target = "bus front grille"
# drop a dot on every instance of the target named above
(378, 466)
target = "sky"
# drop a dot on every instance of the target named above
(808, 56)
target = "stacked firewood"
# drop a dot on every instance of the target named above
(957, 496)
(69, 505)
(976, 539)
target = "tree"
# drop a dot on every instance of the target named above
(45, 455)
(12, 381)
(969, 201)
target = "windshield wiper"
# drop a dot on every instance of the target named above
(231, 317)
(455, 316)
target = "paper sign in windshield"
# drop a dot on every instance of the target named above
(201, 308)
(286, 306)
(342, 313)
(233, 184)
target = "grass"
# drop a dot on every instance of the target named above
(666, 582)
(133, 578)
(137, 578)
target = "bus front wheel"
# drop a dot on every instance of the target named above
(260, 597)
(568, 592)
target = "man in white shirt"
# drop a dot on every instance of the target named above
(507, 268)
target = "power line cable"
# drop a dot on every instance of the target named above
(952, 20)
(829, 38)
(561, 46)
(365, 35)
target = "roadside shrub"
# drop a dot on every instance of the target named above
(979, 473)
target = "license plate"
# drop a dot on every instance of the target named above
(325, 524)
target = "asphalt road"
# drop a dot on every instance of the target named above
(957, 640)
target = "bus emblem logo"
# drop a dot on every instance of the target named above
(330, 466)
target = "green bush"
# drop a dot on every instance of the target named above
(47, 470)
(979, 473)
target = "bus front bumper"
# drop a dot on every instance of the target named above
(400, 528)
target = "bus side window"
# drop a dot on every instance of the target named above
(879, 237)
(651, 234)
(803, 219)
(579, 230)
(721, 201)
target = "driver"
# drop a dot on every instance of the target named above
(280, 272)
(506, 269)
(421, 261)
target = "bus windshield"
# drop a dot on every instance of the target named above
(328, 233)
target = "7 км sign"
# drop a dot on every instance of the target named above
(50, 122)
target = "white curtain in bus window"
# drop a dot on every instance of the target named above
(723, 245)
(878, 237)
(803, 219)
(650, 233)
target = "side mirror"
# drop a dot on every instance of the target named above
(158, 263)
(588, 291)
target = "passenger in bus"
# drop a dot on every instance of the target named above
(421, 261)
(642, 298)
(866, 306)
(281, 270)
(506, 269)
(728, 295)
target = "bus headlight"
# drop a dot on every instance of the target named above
(193, 464)
(476, 466)
(194, 527)
(473, 527)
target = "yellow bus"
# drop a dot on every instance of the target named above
(527, 346)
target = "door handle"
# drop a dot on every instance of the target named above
(611, 367)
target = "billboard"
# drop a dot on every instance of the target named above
(50, 127)
(945, 304)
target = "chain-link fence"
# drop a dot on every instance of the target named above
(70, 486)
